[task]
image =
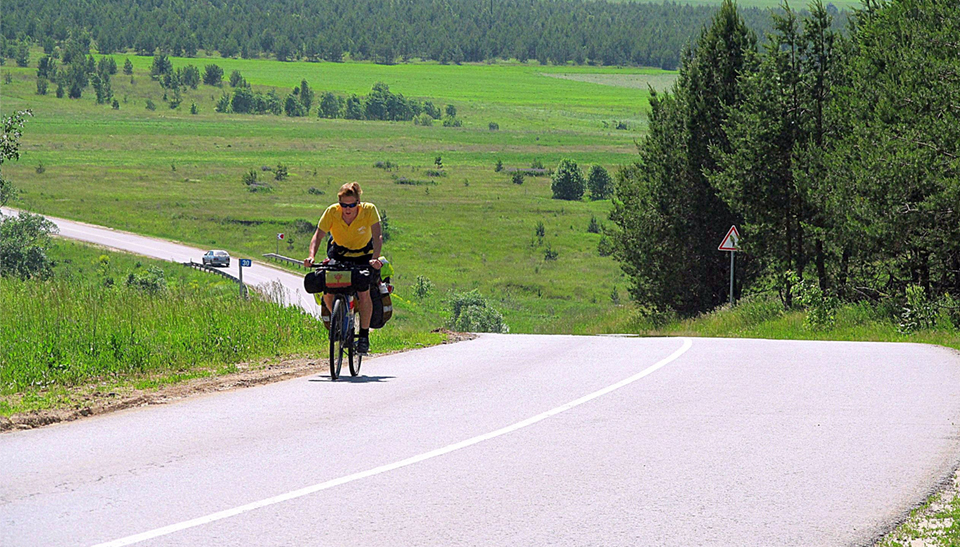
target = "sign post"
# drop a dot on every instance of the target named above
(244, 263)
(731, 243)
(279, 237)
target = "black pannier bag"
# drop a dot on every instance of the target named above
(331, 279)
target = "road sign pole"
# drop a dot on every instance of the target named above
(731, 277)
(241, 280)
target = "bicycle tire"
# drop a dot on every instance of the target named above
(354, 355)
(338, 320)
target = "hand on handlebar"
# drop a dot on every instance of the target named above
(375, 263)
(309, 262)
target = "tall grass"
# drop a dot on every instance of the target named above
(64, 333)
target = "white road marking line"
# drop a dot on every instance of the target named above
(130, 540)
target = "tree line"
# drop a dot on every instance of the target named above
(838, 157)
(449, 31)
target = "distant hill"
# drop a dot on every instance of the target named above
(450, 31)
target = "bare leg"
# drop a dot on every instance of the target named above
(366, 309)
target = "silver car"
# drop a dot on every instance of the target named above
(217, 258)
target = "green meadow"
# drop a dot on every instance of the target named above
(763, 4)
(171, 174)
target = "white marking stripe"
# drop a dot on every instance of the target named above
(129, 540)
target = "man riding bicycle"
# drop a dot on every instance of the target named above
(357, 239)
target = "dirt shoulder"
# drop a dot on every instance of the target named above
(97, 399)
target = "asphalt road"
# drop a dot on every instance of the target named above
(512, 440)
(508, 440)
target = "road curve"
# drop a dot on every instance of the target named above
(258, 275)
(513, 440)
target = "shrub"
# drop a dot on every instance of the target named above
(470, 312)
(40, 168)
(236, 79)
(194, 109)
(302, 226)
(919, 312)
(594, 226)
(151, 281)
(450, 121)
(498, 167)
(385, 230)
(435, 173)
(281, 173)
(24, 240)
(115, 105)
(150, 105)
(313, 190)
(599, 183)
(494, 126)
(540, 230)
(604, 246)
(821, 308)
(550, 254)
(536, 164)
(423, 287)
(250, 177)
(386, 165)
(517, 177)
(42, 84)
(423, 119)
(568, 181)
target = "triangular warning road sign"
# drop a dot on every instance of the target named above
(731, 241)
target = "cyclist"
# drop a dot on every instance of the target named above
(356, 238)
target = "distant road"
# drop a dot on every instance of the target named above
(257, 275)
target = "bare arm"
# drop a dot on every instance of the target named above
(377, 245)
(314, 247)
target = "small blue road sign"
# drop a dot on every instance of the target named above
(245, 263)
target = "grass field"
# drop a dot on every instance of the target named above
(171, 174)
(89, 325)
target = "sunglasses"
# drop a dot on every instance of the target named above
(349, 205)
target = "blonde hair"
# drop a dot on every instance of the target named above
(350, 189)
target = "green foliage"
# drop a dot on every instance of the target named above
(128, 67)
(667, 214)
(236, 79)
(599, 183)
(498, 167)
(281, 172)
(493, 126)
(517, 177)
(567, 182)
(161, 66)
(919, 312)
(10, 149)
(594, 226)
(470, 312)
(821, 308)
(150, 281)
(422, 287)
(42, 84)
(213, 75)
(23, 55)
(24, 240)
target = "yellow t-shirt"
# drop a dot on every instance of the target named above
(358, 233)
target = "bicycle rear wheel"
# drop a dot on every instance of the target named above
(338, 324)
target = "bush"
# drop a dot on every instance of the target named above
(599, 183)
(151, 281)
(919, 312)
(281, 173)
(470, 312)
(150, 105)
(423, 119)
(517, 177)
(494, 126)
(821, 308)
(568, 181)
(450, 121)
(386, 165)
(498, 167)
(194, 109)
(594, 226)
(42, 84)
(422, 287)
(550, 254)
(313, 190)
(435, 173)
(24, 240)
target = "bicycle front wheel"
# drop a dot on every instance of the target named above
(338, 324)
(355, 357)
